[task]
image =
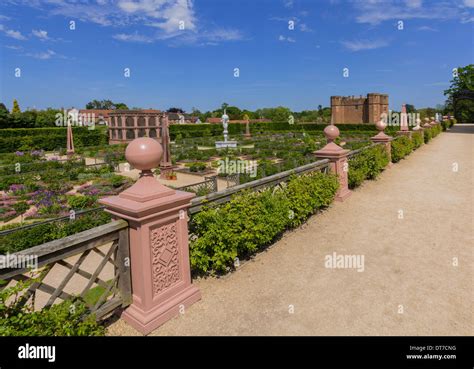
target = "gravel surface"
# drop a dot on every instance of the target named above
(409, 285)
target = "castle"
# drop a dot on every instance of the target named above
(350, 109)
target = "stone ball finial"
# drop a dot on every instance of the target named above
(381, 125)
(331, 132)
(144, 153)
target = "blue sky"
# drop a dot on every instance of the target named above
(194, 67)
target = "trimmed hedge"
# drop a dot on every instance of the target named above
(368, 164)
(417, 139)
(12, 139)
(253, 220)
(401, 147)
(203, 130)
(26, 238)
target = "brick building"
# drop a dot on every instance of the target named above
(357, 110)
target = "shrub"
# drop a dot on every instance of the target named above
(78, 202)
(401, 147)
(417, 139)
(252, 220)
(68, 318)
(367, 164)
(428, 135)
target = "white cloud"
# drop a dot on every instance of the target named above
(48, 54)
(133, 37)
(14, 47)
(304, 28)
(42, 35)
(413, 3)
(14, 34)
(286, 39)
(165, 17)
(469, 3)
(288, 3)
(167, 14)
(377, 11)
(358, 45)
(427, 28)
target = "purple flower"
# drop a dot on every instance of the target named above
(19, 153)
(37, 153)
(15, 188)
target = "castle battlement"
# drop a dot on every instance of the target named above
(358, 109)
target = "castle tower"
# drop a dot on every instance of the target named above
(337, 111)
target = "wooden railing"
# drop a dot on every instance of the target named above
(223, 196)
(93, 265)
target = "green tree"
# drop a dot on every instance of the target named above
(175, 110)
(462, 83)
(105, 104)
(410, 108)
(16, 107)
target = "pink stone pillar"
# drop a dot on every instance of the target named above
(70, 141)
(404, 131)
(123, 119)
(338, 161)
(384, 139)
(166, 166)
(159, 252)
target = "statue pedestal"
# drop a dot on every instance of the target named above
(225, 144)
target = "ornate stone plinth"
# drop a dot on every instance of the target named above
(159, 253)
(338, 161)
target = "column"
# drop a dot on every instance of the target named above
(338, 161)
(159, 251)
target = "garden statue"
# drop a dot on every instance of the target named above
(225, 143)
(225, 123)
(417, 127)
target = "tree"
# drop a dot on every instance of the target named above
(462, 85)
(410, 108)
(195, 112)
(175, 110)
(278, 114)
(120, 106)
(4, 116)
(16, 107)
(105, 104)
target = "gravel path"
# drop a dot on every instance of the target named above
(409, 285)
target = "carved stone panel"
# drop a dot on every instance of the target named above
(165, 257)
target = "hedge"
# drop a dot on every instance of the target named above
(203, 130)
(417, 139)
(401, 147)
(39, 234)
(367, 164)
(48, 138)
(253, 220)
